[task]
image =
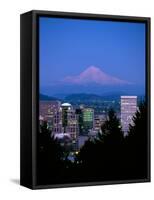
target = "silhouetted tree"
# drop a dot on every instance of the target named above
(111, 129)
(110, 156)
(136, 148)
(50, 154)
(102, 157)
(137, 131)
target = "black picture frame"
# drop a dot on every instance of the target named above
(29, 93)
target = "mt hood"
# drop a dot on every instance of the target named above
(94, 75)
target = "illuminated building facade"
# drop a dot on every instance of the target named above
(128, 109)
(49, 112)
(61, 118)
(88, 120)
(69, 120)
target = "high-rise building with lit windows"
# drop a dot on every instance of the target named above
(88, 120)
(69, 120)
(128, 109)
(48, 111)
(61, 118)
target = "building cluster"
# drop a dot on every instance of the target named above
(64, 121)
(76, 125)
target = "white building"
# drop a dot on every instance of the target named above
(128, 109)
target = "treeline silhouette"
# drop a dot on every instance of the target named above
(109, 157)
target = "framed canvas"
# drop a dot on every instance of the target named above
(85, 99)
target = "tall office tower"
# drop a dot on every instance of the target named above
(48, 110)
(47, 107)
(88, 120)
(69, 120)
(128, 109)
(70, 123)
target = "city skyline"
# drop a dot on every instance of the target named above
(76, 124)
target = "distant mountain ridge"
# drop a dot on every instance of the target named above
(79, 97)
(84, 97)
(43, 97)
(91, 97)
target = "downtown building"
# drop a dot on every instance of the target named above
(66, 122)
(88, 120)
(69, 120)
(49, 112)
(61, 119)
(85, 117)
(128, 110)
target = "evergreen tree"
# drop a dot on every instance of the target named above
(103, 156)
(137, 131)
(50, 154)
(48, 145)
(136, 147)
(111, 131)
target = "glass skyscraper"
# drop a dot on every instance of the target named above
(88, 120)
